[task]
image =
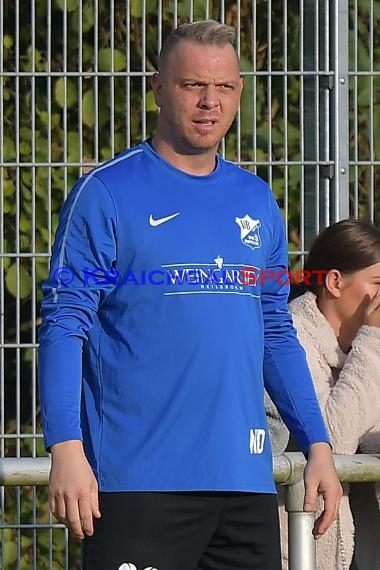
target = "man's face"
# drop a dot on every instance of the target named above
(198, 91)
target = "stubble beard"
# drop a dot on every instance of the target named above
(188, 143)
(198, 145)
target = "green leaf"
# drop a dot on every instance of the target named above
(151, 6)
(25, 224)
(376, 121)
(7, 207)
(246, 109)
(363, 92)
(363, 55)
(87, 54)
(73, 146)
(7, 42)
(71, 5)
(71, 92)
(41, 147)
(278, 188)
(25, 243)
(119, 142)
(183, 10)
(43, 539)
(136, 8)
(40, 450)
(9, 149)
(57, 566)
(8, 188)
(150, 102)
(25, 281)
(25, 150)
(25, 564)
(6, 260)
(55, 119)
(28, 354)
(25, 134)
(262, 137)
(105, 60)
(10, 553)
(277, 136)
(260, 155)
(105, 153)
(26, 177)
(88, 108)
(252, 100)
(26, 541)
(88, 18)
(7, 94)
(245, 64)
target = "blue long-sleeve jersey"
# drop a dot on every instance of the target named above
(163, 317)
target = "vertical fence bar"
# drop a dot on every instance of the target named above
(128, 77)
(269, 93)
(341, 131)
(309, 114)
(325, 171)
(318, 62)
(354, 96)
(302, 550)
(49, 125)
(49, 179)
(143, 69)
(254, 84)
(112, 79)
(2, 282)
(222, 146)
(80, 87)
(33, 269)
(371, 200)
(17, 259)
(285, 115)
(238, 115)
(65, 79)
(95, 84)
(303, 8)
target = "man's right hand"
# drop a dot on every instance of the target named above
(73, 489)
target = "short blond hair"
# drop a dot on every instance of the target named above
(204, 32)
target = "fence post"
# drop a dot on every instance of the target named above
(301, 543)
(315, 111)
(340, 51)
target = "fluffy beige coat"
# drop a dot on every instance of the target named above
(348, 389)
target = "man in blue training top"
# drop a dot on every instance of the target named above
(163, 320)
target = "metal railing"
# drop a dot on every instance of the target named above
(287, 469)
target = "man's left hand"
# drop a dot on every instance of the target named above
(321, 478)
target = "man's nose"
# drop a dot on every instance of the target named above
(209, 97)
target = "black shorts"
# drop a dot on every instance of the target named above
(184, 531)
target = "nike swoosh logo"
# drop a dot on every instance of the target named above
(160, 221)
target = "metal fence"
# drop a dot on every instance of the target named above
(287, 470)
(74, 90)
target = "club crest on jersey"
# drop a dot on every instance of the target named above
(249, 231)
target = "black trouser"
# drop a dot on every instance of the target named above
(185, 531)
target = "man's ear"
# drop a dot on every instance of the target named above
(156, 87)
(334, 282)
